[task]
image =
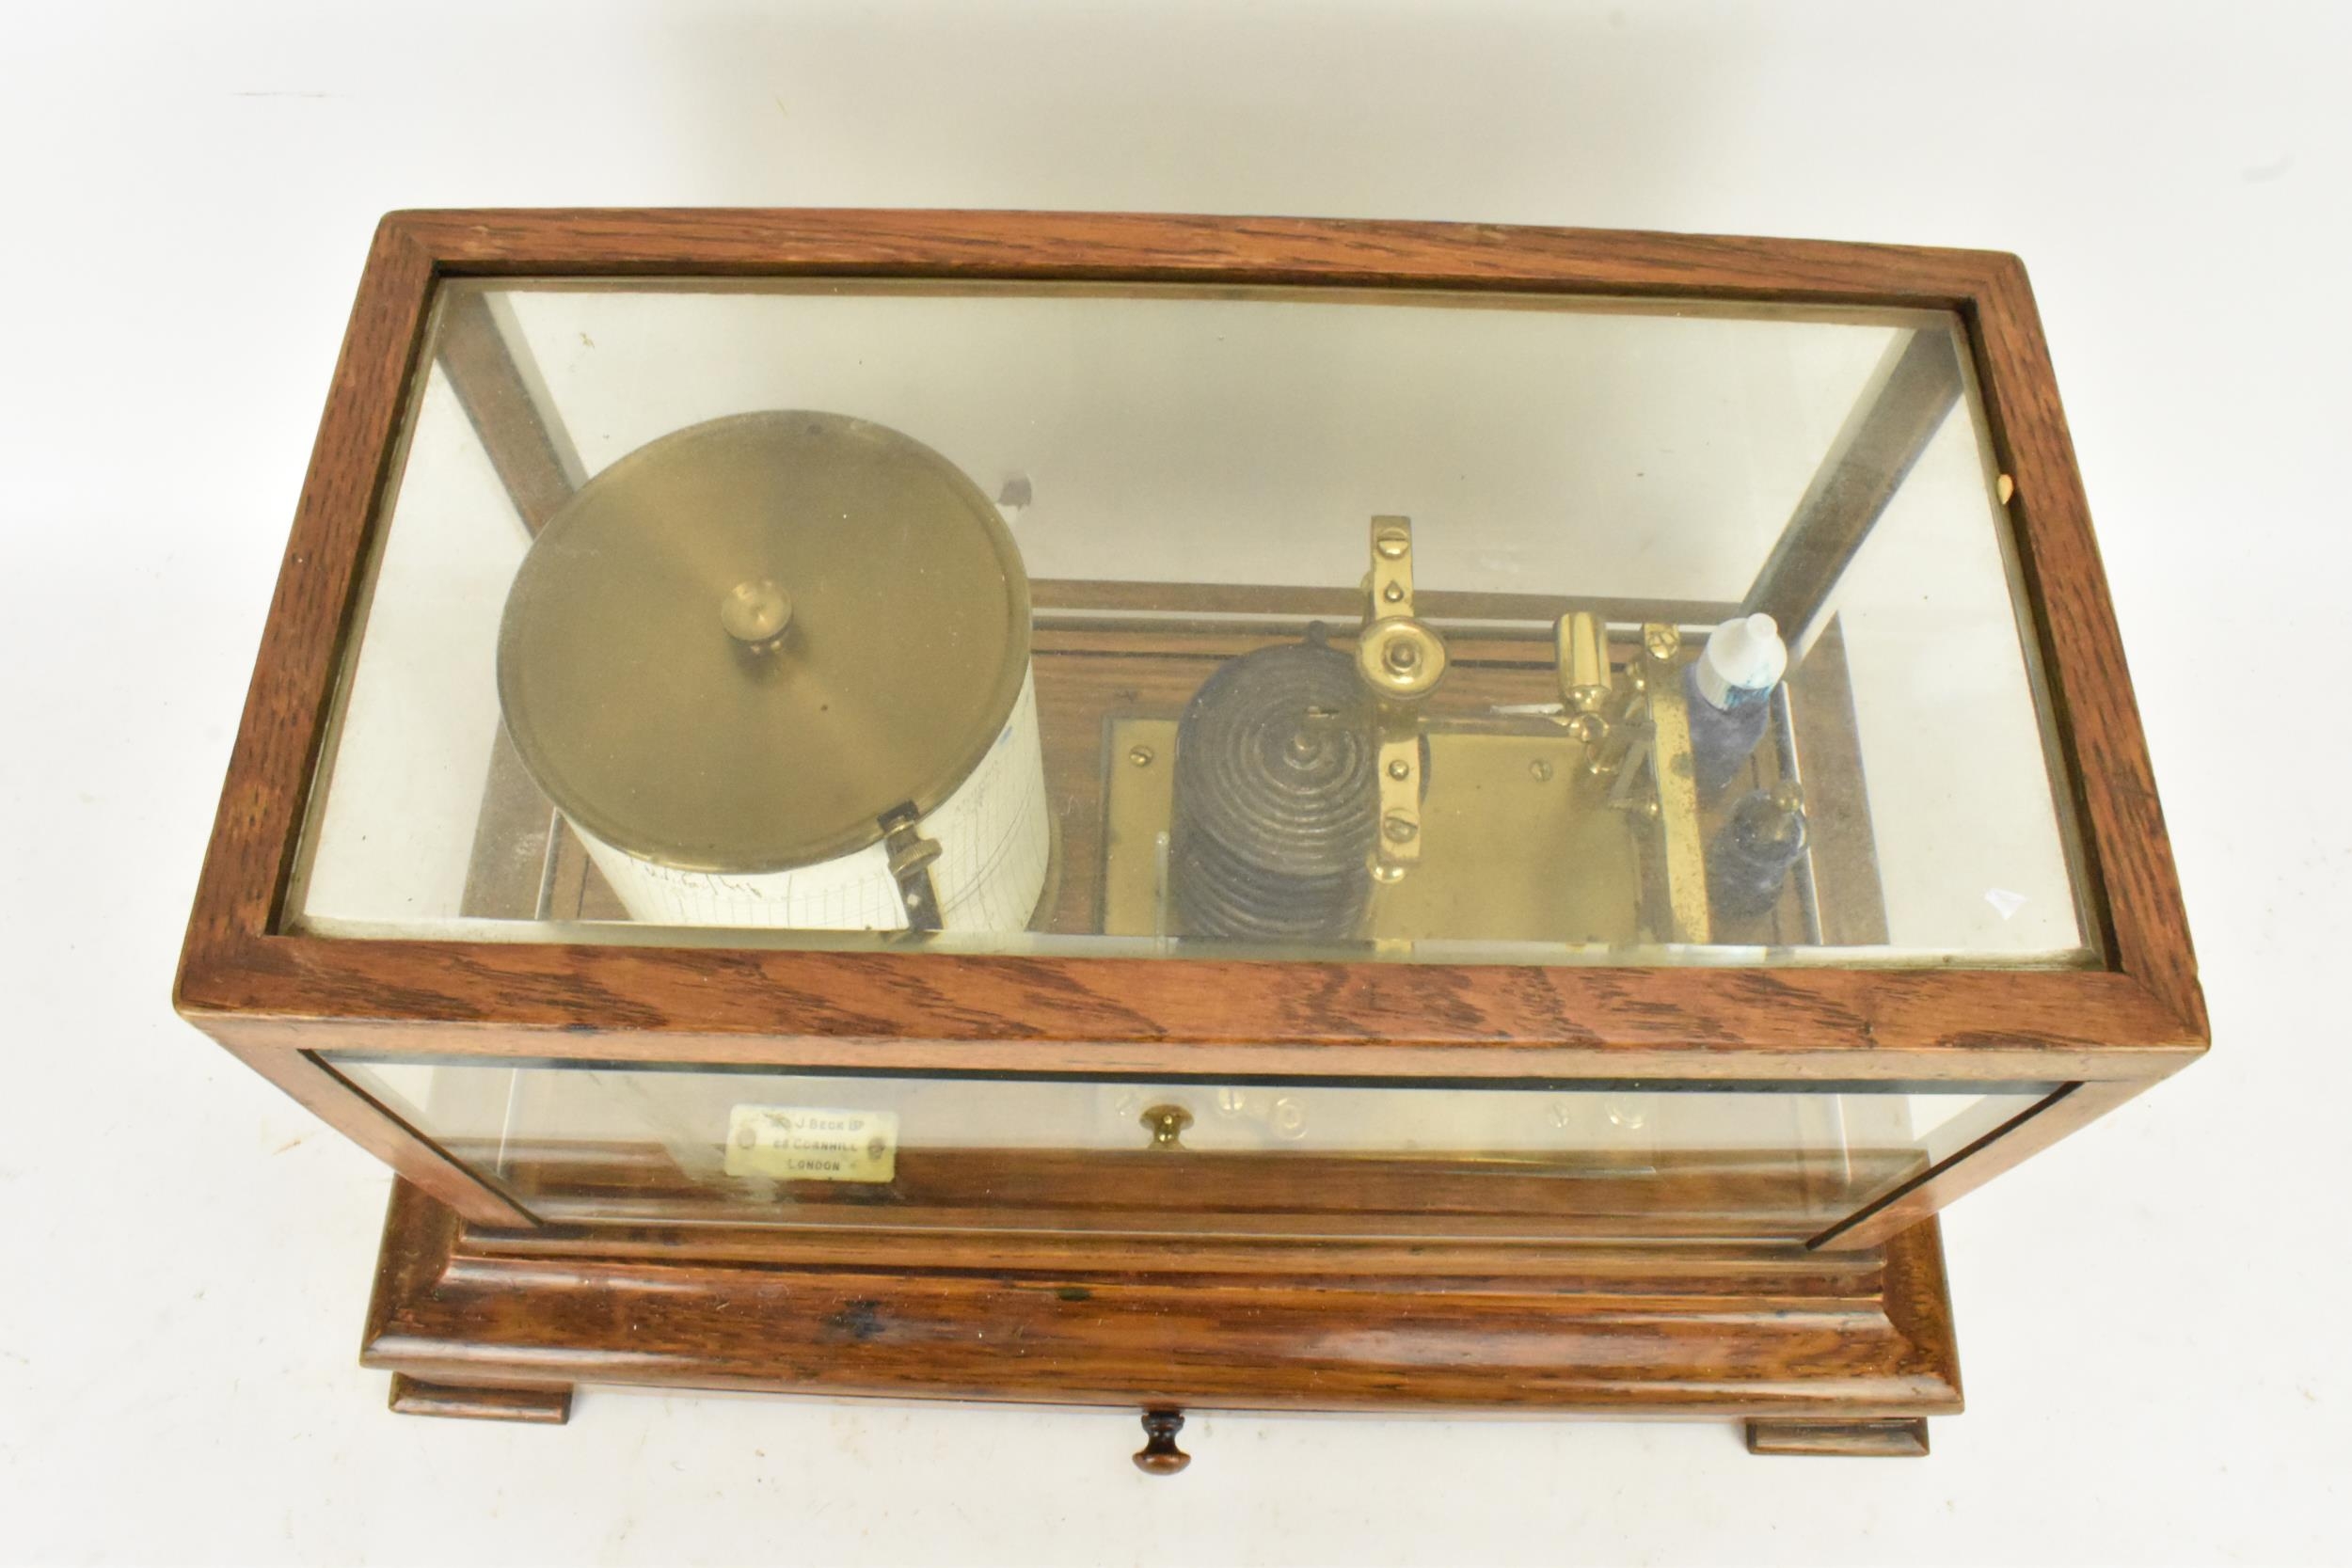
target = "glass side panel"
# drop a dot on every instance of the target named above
(579, 1144)
(1094, 620)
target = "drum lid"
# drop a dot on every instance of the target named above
(739, 646)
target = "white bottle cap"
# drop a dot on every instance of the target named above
(1743, 660)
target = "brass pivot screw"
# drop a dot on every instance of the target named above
(1160, 1456)
(1167, 1124)
(1400, 659)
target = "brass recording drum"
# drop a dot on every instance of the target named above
(775, 671)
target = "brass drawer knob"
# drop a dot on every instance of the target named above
(1167, 1124)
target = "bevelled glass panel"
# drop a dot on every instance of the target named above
(580, 1143)
(1086, 620)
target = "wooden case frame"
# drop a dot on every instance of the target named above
(277, 998)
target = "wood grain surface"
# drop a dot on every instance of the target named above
(1722, 1331)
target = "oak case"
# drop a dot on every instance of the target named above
(1839, 1341)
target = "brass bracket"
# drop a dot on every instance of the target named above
(1402, 659)
(910, 857)
(1644, 754)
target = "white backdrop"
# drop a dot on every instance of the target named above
(2150, 1316)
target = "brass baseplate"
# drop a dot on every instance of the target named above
(1526, 833)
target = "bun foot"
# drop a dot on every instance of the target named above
(413, 1397)
(1895, 1439)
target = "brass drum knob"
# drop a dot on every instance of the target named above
(756, 611)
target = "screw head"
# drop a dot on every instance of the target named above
(1662, 640)
(1400, 768)
(1400, 828)
(1539, 771)
(1141, 757)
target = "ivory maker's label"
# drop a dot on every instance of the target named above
(801, 1142)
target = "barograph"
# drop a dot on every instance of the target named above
(1189, 813)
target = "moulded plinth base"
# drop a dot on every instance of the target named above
(1817, 1353)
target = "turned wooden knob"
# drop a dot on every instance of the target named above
(1159, 1455)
